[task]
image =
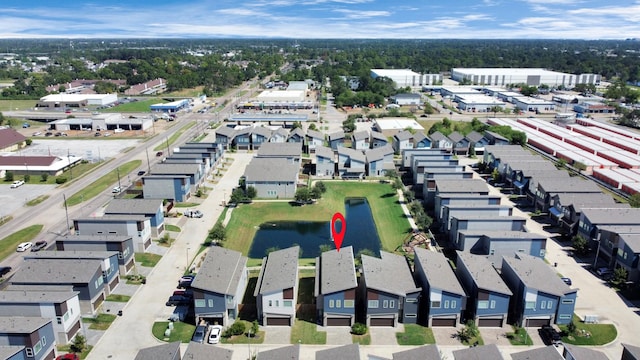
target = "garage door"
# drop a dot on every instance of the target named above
(490, 322)
(381, 322)
(538, 322)
(443, 322)
(338, 322)
(278, 321)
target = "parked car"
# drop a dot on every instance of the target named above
(116, 190)
(141, 172)
(214, 334)
(24, 246)
(193, 213)
(198, 335)
(185, 281)
(68, 356)
(96, 134)
(159, 153)
(604, 272)
(37, 133)
(177, 300)
(118, 130)
(188, 293)
(550, 336)
(17, 184)
(39, 245)
(48, 133)
(4, 270)
(566, 280)
(26, 125)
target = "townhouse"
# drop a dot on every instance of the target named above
(149, 208)
(33, 334)
(335, 287)
(277, 287)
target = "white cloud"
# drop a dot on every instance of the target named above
(358, 14)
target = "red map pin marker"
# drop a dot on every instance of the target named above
(338, 236)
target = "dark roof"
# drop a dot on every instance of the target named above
(632, 241)
(456, 137)
(427, 352)
(418, 137)
(475, 136)
(337, 271)
(403, 135)
(346, 352)
(584, 353)
(274, 149)
(271, 169)
(486, 352)
(262, 131)
(284, 353)
(568, 185)
(35, 296)
(545, 353)
(10, 137)
(315, 134)
(198, 351)
(175, 169)
(378, 136)
(378, 153)
(580, 200)
(353, 154)
(71, 254)
(612, 216)
(220, 271)
(482, 273)
(536, 274)
(226, 131)
(29, 160)
(439, 273)
(389, 274)
(55, 271)
(134, 206)
(94, 238)
(170, 351)
(461, 186)
(325, 152)
(438, 136)
(336, 135)
(496, 136)
(360, 135)
(279, 271)
(633, 350)
(21, 324)
(296, 131)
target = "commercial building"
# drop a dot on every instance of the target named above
(405, 77)
(76, 100)
(529, 76)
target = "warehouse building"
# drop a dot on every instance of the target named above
(405, 77)
(478, 103)
(529, 76)
(76, 100)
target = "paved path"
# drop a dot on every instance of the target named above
(148, 304)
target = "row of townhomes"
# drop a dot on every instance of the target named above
(194, 350)
(44, 300)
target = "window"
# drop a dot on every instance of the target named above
(59, 320)
(410, 315)
(210, 302)
(385, 304)
(277, 303)
(331, 303)
(483, 304)
(287, 303)
(446, 304)
(435, 304)
(567, 301)
(338, 303)
(199, 303)
(543, 305)
(454, 304)
(44, 340)
(564, 316)
(492, 252)
(29, 352)
(492, 304)
(349, 304)
(549, 304)
(270, 303)
(373, 304)
(412, 300)
(392, 304)
(530, 305)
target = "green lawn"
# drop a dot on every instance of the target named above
(304, 332)
(244, 339)
(173, 138)
(100, 322)
(37, 200)
(102, 183)
(9, 243)
(519, 336)
(415, 335)
(589, 334)
(136, 106)
(181, 331)
(118, 298)
(6, 105)
(172, 228)
(391, 224)
(147, 259)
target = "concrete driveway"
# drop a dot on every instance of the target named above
(384, 335)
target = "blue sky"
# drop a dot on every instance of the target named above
(520, 19)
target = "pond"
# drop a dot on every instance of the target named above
(361, 233)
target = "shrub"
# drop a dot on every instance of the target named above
(61, 180)
(44, 177)
(8, 176)
(237, 328)
(359, 329)
(27, 177)
(28, 142)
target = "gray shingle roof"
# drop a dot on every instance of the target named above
(427, 352)
(632, 241)
(536, 274)
(170, 351)
(496, 136)
(506, 234)
(198, 351)
(284, 353)
(226, 131)
(291, 149)
(612, 216)
(633, 350)
(378, 136)
(486, 352)
(438, 271)
(54, 271)
(403, 135)
(271, 169)
(279, 271)
(220, 271)
(94, 238)
(378, 153)
(42, 296)
(336, 135)
(568, 185)
(584, 353)
(497, 150)
(527, 166)
(474, 136)
(389, 274)
(418, 137)
(356, 155)
(284, 132)
(71, 254)
(175, 169)
(296, 132)
(461, 186)
(346, 352)
(456, 137)
(134, 206)
(585, 200)
(360, 135)
(325, 152)
(7, 351)
(21, 324)
(483, 273)
(337, 271)
(545, 353)
(438, 136)
(262, 131)
(315, 134)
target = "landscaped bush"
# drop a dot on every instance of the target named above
(61, 180)
(359, 329)
(237, 328)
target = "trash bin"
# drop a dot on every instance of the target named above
(119, 312)
(555, 264)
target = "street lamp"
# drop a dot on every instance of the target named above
(187, 259)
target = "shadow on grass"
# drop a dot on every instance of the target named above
(387, 195)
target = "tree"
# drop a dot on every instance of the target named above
(321, 186)
(316, 193)
(251, 193)
(27, 177)
(28, 142)
(219, 232)
(325, 247)
(296, 124)
(237, 196)
(634, 200)
(495, 109)
(303, 195)
(44, 177)
(8, 176)
(79, 344)
(580, 245)
(313, 127)
(619, 278)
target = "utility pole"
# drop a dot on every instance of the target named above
(118, 171)
(66, 211)
(148, 162)
(69, 160)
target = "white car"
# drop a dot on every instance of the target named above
(24, 246)
(17, 184)
(118, 130)
(116, 190)
(214, 334)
